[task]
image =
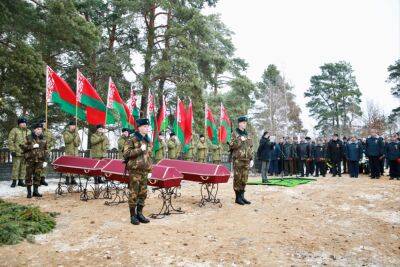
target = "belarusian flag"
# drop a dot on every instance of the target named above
(88, 96)
(132, 105)
(115, 103)
(225, 126)
(162, 119)
(152, 117)
(188, 127)
(179, 123)
(211, 126)
(59, 92)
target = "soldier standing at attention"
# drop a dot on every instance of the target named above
(319, 156)
(172, 146)
(216, 153)
(335, 155)
(374, 149)
(137, 154)
(16, 138)
(100, 144)
(161, 150)
(51, 141)
(188, 155)
(35, 155)
(302, 155)
(202, 149)
(354, 152)
(392, 154)
(122, 141)
(241, 146)
(72, 143)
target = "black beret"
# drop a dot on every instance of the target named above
(242, 118)
(141, 122)
(99, 126)
(125, 130)
(71, 123)
(37, 125)
(22, 120)
(202, 135)
(171, 134)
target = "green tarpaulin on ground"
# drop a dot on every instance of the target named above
(287, 182)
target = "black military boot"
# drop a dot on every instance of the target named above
(134, 219)
(100, 180)
(14, 183)
(21, 182)
(36, 191)
(238, 200)
(67, 180)
(43, 181)
(140, 216)
(245, 201)
(73, 180)
(29, 190)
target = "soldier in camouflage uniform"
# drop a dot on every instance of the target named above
(51, 141)
(160, 151)
(35, 155)
(216, 152)
(173, 146)
(100, 145)
(189, 154)
(123, 139)
(202, 149)
(16, 138)
(241, 147)
(137, 154)
(72, 143)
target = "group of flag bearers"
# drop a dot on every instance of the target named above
(307, 157)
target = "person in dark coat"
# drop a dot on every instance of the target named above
(264, 154)
(295, 160)
(288, 155)
(354, 153)
(344, 160)
(374, 149)
(302, 154)
(392, 154)
(335, 155)
(319, 156)
(275, 158)
(309, 161)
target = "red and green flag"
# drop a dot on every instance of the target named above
(132, 105)
(152, 117)
(162, 119)
(211, 126)
(179, 123)
(88, 96)
(59, 92)
(115, 104)
(225, 127)
(188, 127)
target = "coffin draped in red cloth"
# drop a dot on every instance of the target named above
(199, 172)
(79, 165)
(161, 176)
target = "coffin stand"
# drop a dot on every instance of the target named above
(87, 167)
(165, 180)
(208, 175)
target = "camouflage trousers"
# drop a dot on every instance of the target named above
(33, 171)
(240, 174)
(18, 168)
(137, 188)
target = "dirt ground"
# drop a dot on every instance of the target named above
(333, 221)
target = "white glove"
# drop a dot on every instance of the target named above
(251, 163)
(143, 147)
(243, 138)
(272, 139)
(35, 145)
(44, 164)
(149, 175)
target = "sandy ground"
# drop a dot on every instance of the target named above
(333, 221)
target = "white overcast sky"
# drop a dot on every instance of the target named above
(300, 35)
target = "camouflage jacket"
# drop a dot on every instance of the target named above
(72, 142)
(201, 150)
(216, 152)
(137, 159)
(100, 145)
(172, 149)
(51, 141)
(241, 150)
(159, 154)
(121, 143)
(188, 155)
(16, 138)
(32, 154)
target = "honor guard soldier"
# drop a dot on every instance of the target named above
(122, 141)
(216, 152)
(51, 141)
(161, 149)
(34, 150)
(100, 145)
(202, 149)
(137, 155)
(72, 143)
(241, 146)
(16, 138)
(172, 146)
(188, 154)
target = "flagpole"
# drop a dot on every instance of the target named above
(205, 121)
(108, 91)
(46, 88)
(76, 100)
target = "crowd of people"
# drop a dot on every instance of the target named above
(307, 157)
